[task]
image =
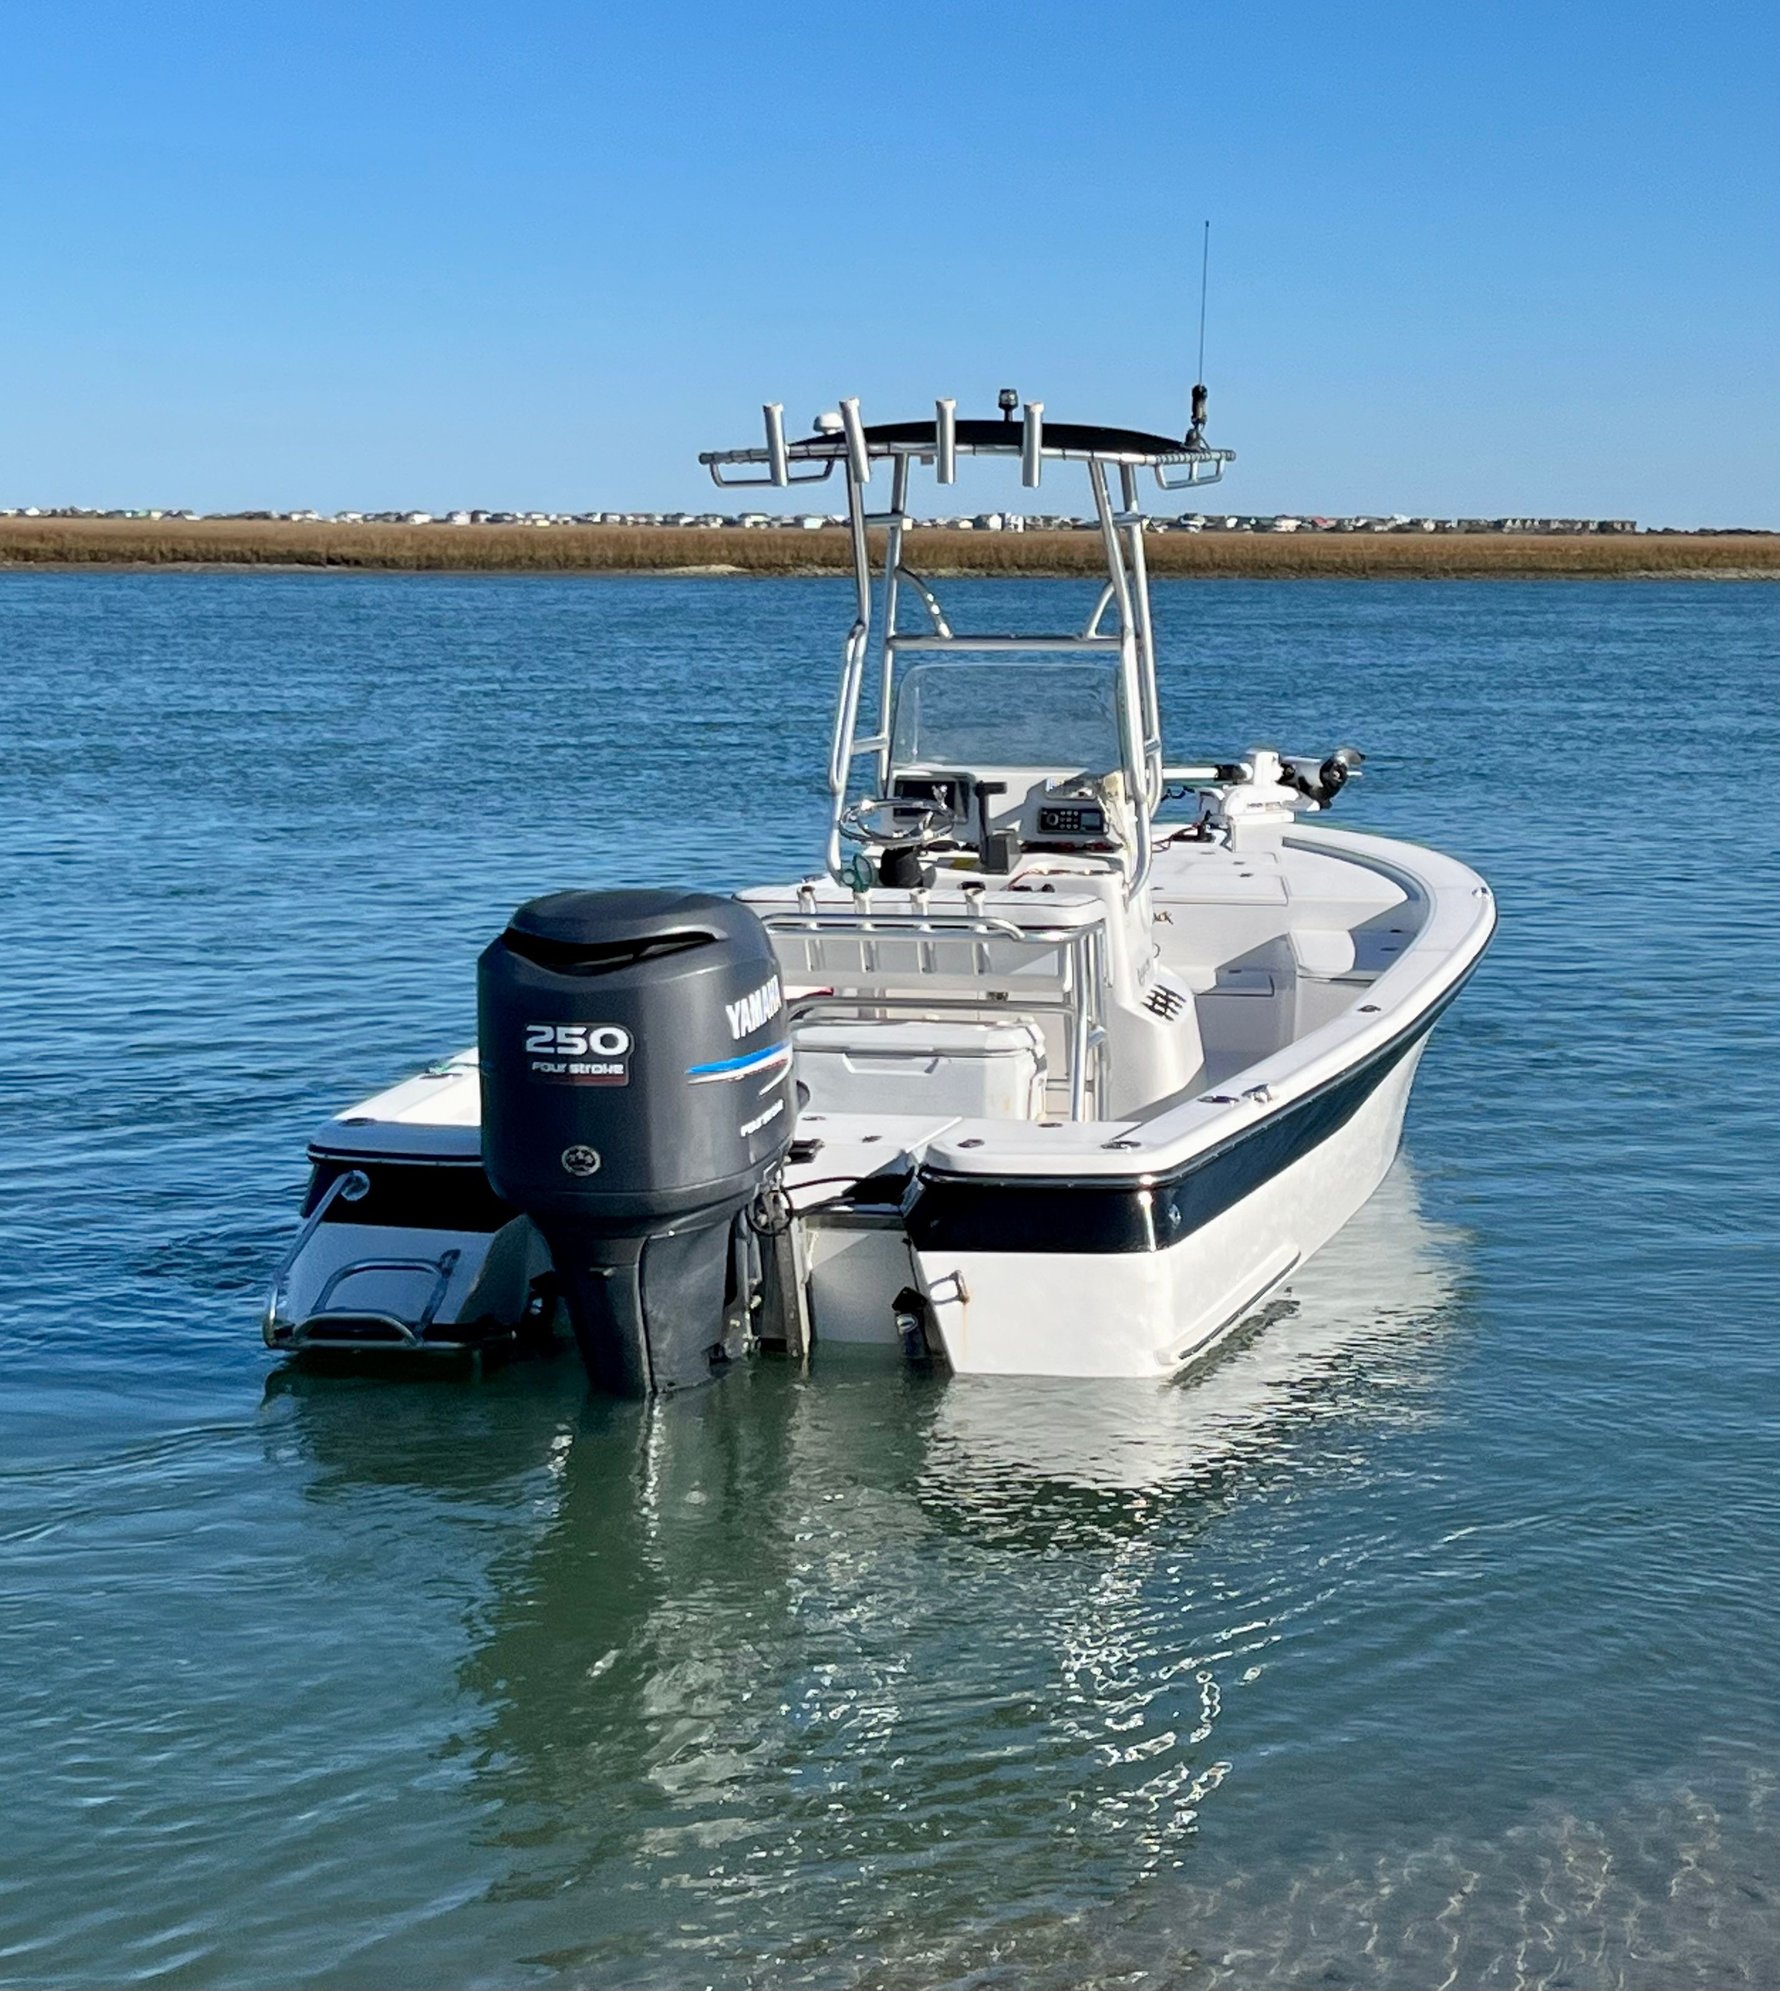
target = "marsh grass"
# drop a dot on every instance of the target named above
(52, 542)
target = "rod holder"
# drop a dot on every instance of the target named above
(778, 461)
(945, 442)
(858, 457)
(1032, 443)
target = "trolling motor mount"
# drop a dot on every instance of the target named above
(1330, 778)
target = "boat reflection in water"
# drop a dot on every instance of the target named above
(871, 1661)
(1349, 1338)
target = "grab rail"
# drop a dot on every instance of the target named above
(350, 1185)
(967, 925)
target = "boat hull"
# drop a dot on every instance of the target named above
(1145, 1313)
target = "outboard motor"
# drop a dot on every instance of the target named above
(636, 1097)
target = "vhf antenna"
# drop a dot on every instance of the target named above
(1196, 427)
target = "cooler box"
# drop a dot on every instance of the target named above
(977, 1071)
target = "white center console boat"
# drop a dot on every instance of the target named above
(1026, 1076)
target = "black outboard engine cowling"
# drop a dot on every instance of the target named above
(636, 1097)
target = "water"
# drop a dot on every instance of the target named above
(1432, 1637)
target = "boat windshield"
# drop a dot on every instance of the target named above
(1008, 715)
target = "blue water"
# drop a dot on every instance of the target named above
(1434, 1636)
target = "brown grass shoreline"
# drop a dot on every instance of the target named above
(49, 543)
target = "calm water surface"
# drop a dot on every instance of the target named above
(1432, 1636)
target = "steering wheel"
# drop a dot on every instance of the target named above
(906, 822)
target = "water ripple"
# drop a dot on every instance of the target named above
(1429, 1637)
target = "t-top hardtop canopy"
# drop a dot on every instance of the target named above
(845, 438)
(1110, 456)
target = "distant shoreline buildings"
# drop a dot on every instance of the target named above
(1196, 522)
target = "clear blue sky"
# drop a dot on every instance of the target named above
(1464, 260)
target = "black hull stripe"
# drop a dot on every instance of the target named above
(411, 1196)
(1092, 1214)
